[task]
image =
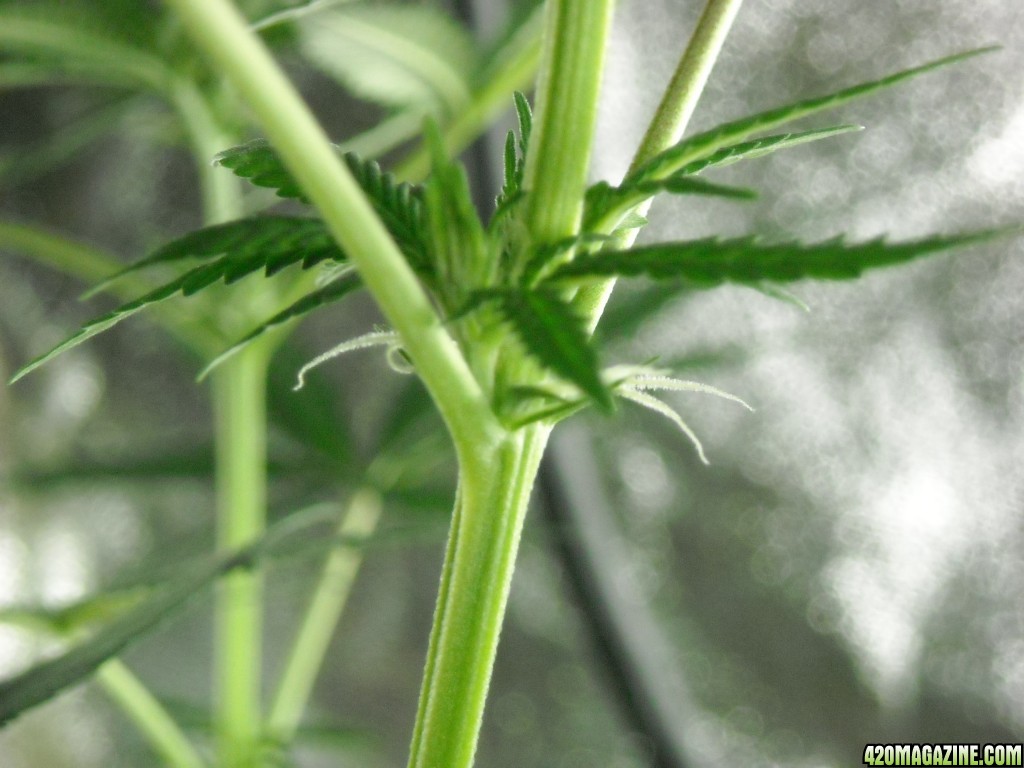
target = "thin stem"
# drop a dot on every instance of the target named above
(220, 190)
(475, 582)
(576, 32)
(218, 27)
(489, 101)
(321, 619)
(670, 120)
(149, 715)
(239, 405)
(240, 435)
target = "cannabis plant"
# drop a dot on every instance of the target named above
(496, 316)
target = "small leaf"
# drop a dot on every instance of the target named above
(333, 291)
(766, 145)
(745, 260)
(459, 245)
(553, 334)
(607, 205)
(705, 144)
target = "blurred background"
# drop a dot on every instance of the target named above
(847, 570)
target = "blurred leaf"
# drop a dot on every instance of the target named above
(745, 260)
(334, 291)
(70, 619)
(405, 56)
(83, 37)
(305, 241)
(45, 680)
(705, 144)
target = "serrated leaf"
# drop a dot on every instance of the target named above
(766, 145)
(459, 245)
(554, 335)
(316, 246)
(398, 204)
(396, 55)
(43, 681)
(746, 260)
(328, 294)
(705, 144)
(606, 205)
(280, 240)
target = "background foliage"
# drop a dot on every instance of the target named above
(845, 571)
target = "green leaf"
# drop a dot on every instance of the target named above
(746, 260)
(407, 56)
(766, 145)
(606, 205)
(705, 144)
(328, 294)
(398, 204)
(73, 618)
(278, 240)
(43, 681)
(306, 241)
(554, 335)
(459, 245)
(515, 159)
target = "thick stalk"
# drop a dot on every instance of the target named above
(493, 495)
(223, 33)
(240, 433)
(670, 120)
(495, 485)
(149, 716)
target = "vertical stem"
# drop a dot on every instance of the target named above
(495, 484)
(670, 120)
(332, 591)
(240, 434)
(482, 546)
(576, 32)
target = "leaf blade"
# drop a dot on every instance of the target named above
(711, 261)
(555, 336)
(704, 144)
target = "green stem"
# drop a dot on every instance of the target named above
(576, 32)
(475, 582)
(512, 73)
(240, 435)
(149, 716)
(218, 28)
(495, 485)
(321, 619)
(670, 120)
(239, 404)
